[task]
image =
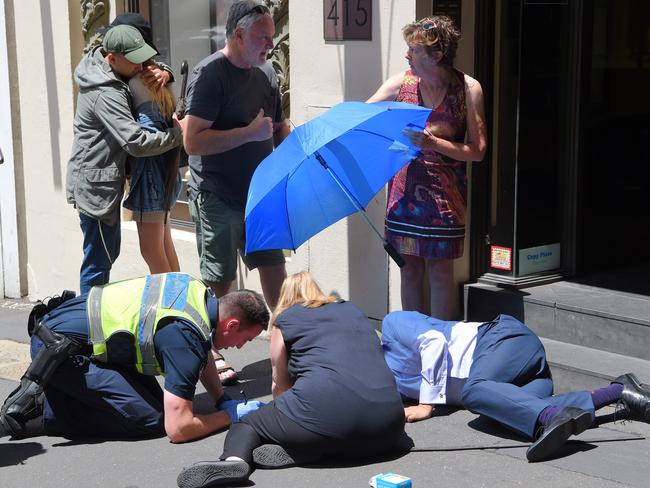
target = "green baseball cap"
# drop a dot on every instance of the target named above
(127, 40)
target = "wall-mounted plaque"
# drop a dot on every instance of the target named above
(347, 19)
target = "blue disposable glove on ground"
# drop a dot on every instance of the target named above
(236, 409)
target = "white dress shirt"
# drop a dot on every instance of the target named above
(429, 358)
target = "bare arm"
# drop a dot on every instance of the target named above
(280, 132)
(199, 139)
(419, 412)
(182, 425)
(388, 90)
(281, 381)
(210, 379)
(474, 148)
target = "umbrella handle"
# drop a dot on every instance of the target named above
(395, 256)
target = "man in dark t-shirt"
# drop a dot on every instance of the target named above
(234, 119)
(109, 398)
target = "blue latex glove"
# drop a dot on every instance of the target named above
(236, 409)
(224, 398)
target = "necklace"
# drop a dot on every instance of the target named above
(432, 98)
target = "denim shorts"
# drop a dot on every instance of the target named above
(220, 233)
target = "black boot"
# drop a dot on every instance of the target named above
(5, 431)
(22, 412)
(635, 396)
(33, 428)
(25, 403)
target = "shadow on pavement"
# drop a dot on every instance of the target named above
(84, 441)
(489, 426)
(444, 410)
(619, 415)
(334, 463)
(571, 447)
(254, 379)
(16, 453)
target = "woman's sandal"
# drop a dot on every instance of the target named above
(227, 375)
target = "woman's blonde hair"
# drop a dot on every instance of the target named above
(300, 288)
(436, 34)
(163, 97)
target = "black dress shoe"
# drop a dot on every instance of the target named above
(567, 422)
(635, 397)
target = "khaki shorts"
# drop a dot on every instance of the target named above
(220, 233)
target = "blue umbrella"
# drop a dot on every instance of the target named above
(327, 169)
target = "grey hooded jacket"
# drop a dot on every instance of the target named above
(105, 132)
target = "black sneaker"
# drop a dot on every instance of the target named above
(272, 456)
(216, 473)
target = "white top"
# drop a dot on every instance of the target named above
(429, 358)
(445, 364)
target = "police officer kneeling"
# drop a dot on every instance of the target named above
(94, 359)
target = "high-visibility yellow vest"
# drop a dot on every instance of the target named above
(136, 307)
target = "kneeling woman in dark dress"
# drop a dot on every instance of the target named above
(333, 392)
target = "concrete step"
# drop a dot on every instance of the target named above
(583, 368)
(574, 313)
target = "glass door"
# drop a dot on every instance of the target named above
(525, 236)
(614, 203)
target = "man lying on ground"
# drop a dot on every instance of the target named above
(497, 369)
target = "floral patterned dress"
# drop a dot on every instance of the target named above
(425, 215)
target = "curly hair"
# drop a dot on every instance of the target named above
(436, 34)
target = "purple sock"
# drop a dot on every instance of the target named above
(607, 395)
(546, 414)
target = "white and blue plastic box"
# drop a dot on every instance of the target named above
(390, 480)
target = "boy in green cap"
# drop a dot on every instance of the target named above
(105, 132)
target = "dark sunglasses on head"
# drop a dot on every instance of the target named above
(257, 9)
(428, 25)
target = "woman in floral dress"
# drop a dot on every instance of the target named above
(425, 216)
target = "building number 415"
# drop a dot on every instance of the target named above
(360, 17)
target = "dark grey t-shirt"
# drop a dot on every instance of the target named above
(343, 387)
(231, 97)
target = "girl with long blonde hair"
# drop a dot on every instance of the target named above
(154, 181)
